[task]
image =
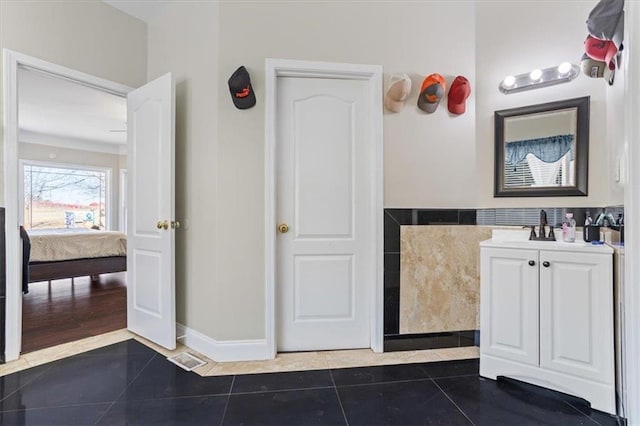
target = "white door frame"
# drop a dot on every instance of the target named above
(372, 74)
(11, 62)
(632, 210)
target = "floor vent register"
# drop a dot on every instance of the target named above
(186, 361)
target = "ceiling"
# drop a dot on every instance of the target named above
(145, 10)
(51, 108)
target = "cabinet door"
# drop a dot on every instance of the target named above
(509, 304)
(576, 314)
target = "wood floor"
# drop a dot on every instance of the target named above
(67, 310)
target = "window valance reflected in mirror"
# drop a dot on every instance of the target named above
(542, 150)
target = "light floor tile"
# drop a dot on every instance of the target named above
(465, 352)
(14, 366)
(64, 350)
(366, 357)
(73, 348)
(282, 362)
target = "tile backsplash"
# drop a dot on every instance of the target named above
(531, 216)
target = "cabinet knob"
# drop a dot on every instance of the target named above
(532, 263)
(546, 264)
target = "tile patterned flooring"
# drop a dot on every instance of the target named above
(283, 362)
(130, 383)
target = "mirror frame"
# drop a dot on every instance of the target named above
(581, 156)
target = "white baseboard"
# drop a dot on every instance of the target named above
(225, 350)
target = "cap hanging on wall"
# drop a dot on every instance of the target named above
(606, 32)
(397, 92)
(432, 90)
(458, 94)
(601, 50)
(241, 90)
(606, 21)
(596, 69)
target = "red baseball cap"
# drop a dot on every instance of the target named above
(458, 94)
(601, 50)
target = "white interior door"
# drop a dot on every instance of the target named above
(150, 214)
(324, 269)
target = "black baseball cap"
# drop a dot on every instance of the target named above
(242, 93)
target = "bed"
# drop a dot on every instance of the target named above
(68, 253)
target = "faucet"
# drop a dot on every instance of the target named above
(542, 233)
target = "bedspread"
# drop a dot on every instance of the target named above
(66, 246)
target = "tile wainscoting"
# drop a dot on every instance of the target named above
(394, 221)
(440, 276)
(432, 275)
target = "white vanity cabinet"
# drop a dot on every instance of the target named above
(546, 317)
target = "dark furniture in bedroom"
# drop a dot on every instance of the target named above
(47, 271)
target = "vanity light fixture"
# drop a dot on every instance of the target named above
(535, 75)
(537, 78)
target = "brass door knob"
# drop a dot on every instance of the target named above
(283, 228)
(163, 224)
(175, 224)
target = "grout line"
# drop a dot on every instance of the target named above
(29, 382)
(422, 379)
(391, 216)
(54, 407)
(453, 402)
(282, 390)
(226, 405)
(575, 408)
(335, 388)
(125, 389)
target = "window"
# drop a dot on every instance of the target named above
(531, 172)
(64, 197)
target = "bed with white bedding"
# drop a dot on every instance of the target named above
(69, 253)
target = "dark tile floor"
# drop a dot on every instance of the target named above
(128, 383)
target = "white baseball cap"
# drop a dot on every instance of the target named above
(397, 93)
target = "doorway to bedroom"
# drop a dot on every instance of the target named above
(72, 162)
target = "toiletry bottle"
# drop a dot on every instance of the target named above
(588, 221)
(569, 229)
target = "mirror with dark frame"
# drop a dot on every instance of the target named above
(542, 150)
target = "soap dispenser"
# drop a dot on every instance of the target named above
(569, 229)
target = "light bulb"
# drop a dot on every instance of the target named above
(535, 75)
(564, 68)
(509, 81)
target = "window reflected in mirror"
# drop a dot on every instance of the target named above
(541, 150)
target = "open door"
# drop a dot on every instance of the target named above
(151, 307)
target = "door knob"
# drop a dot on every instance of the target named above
(162, 224)
(283, 228)
(175, 224)
(546, 264)
(532, 263)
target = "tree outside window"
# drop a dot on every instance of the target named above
(58, 197)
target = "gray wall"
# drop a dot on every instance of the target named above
(431, 160)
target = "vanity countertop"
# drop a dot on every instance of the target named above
(519, 239)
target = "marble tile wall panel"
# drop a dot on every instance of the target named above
(440, 277)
